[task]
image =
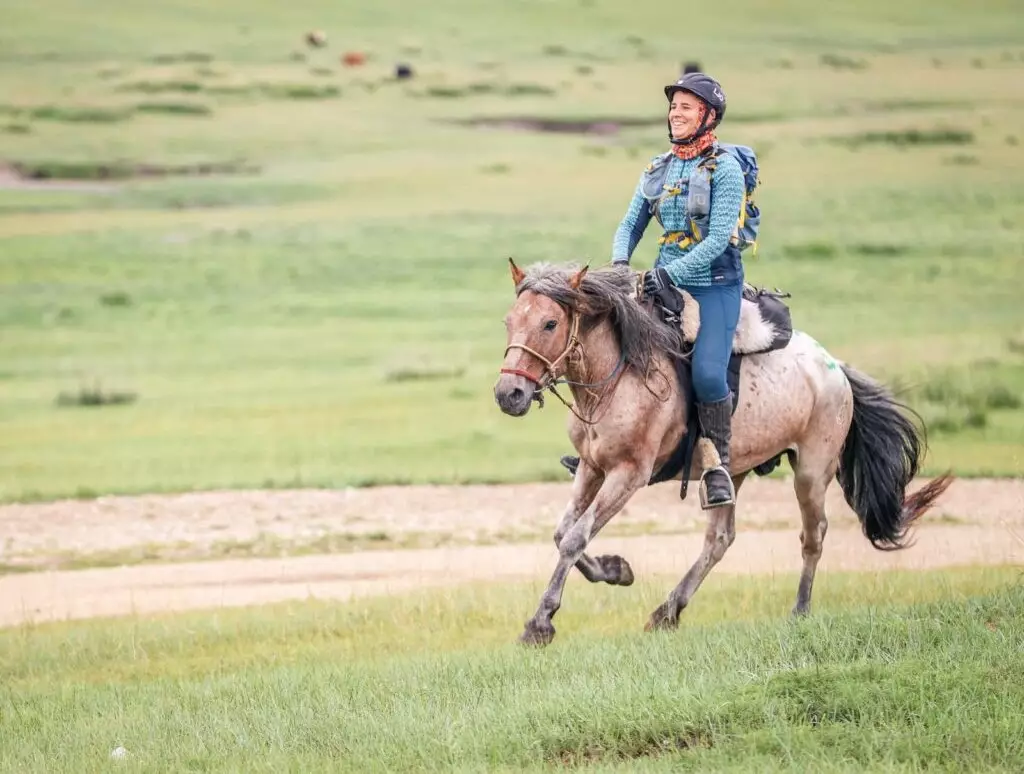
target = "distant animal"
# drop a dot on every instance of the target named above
(316, 38)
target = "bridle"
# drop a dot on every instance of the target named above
(549, 379)
(547, 376)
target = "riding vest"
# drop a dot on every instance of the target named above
(679, 194)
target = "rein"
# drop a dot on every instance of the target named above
(548, 379)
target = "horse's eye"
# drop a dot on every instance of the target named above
(550, 325)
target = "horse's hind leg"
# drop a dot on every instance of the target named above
(813, 473)
(719, 535)
(613, 570)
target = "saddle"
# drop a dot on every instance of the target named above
(765, 325)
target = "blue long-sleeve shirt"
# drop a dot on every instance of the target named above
(690, 265)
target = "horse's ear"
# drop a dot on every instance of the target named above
(517, 274)
(577, 278)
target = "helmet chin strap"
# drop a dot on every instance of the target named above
(689, 140)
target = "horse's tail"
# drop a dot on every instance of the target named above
(880, 458)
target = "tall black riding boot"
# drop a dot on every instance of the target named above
(716, 429)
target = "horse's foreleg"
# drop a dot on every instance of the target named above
(619, 485)
(608, 568)
(719, 535)
(613, 570)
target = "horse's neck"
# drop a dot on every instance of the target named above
(598, 360)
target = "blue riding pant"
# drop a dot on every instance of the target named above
(719, 314)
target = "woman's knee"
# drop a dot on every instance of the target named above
(709, 382)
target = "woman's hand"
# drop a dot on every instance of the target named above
(655, 281)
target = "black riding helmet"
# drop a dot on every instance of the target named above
(708, 90)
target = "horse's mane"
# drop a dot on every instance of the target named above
(608, 291)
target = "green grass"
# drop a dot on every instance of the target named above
(893, 672)
(174, 108)
(274, 314)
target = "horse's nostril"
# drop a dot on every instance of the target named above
(516, 394)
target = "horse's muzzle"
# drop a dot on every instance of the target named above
(513, 394)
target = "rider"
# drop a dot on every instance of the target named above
(709, 267)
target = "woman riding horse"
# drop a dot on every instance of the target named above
(705, 265)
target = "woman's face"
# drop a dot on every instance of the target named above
(684, 114)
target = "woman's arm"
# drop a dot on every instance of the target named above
(727, 189)
(632, 227)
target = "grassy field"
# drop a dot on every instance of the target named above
(895, 672)
(228, 260)
(330, 313)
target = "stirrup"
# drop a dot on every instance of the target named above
(703, 490)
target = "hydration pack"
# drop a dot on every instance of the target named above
(698, 202)
(698, 194)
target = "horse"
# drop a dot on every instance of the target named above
(592, 331)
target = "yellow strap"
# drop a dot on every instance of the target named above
(678, 238)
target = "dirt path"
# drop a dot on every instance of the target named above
(488, 533)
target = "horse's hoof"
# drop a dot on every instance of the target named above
(663, 619)
(617, 570)
(800, 611)
(537, 635)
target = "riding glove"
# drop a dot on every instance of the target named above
(655, 281)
